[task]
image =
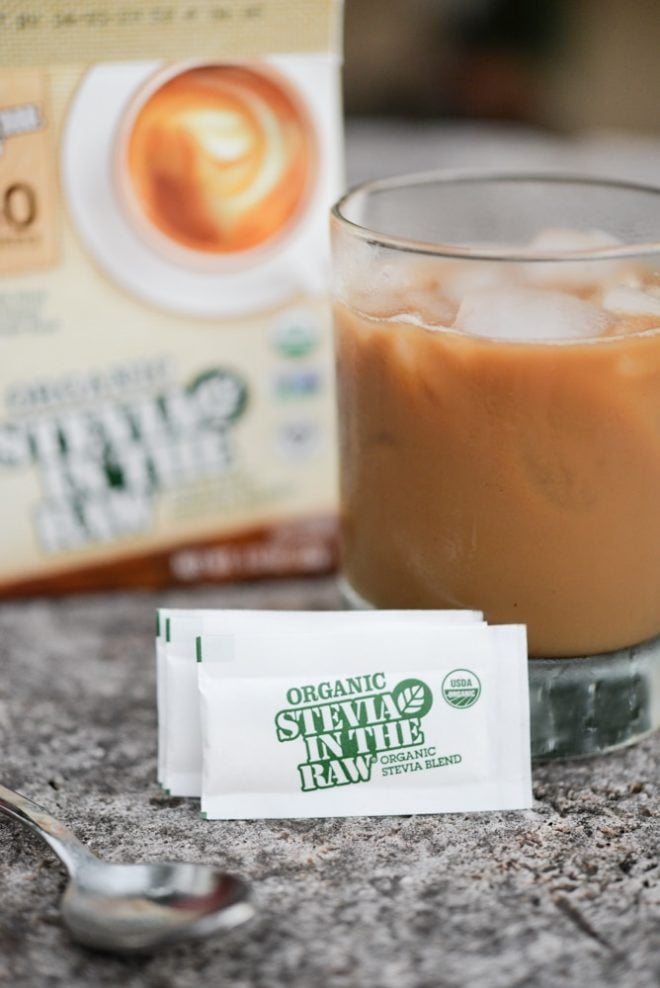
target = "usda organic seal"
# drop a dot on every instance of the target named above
(461, 688)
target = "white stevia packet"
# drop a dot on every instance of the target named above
(380, 720)
(176, 630)
(179, 735)
(171, 626)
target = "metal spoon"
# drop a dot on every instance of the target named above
(133, 908)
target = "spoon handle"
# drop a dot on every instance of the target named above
(65, 844)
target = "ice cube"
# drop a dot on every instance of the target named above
(461, 279)
(377, 301)
(384, 288)
(376, 298)
(519, 314)
(430, 307)
(558, 238)
(631, 302)
(570, 274)
(367, 280)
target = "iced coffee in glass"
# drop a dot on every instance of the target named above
(498, 353)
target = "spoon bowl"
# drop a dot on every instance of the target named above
(140, 907)
(134, 908)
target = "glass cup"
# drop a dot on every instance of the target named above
(498, 354)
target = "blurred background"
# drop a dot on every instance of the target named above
(510, 84)
(560, 64)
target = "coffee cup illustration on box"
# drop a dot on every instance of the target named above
(215, 162)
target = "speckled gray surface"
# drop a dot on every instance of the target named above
(567, 893)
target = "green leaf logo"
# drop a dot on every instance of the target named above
(220, 396)
(413, 698)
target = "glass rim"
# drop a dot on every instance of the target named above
(510, 253)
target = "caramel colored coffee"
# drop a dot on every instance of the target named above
(517, 474)
(220, 158)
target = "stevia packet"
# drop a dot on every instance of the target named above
(368, 720)
(179, 737)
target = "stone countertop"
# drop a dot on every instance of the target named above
(566, 893)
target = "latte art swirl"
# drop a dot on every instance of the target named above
(220, 158)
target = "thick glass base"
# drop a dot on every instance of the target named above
(585, 705)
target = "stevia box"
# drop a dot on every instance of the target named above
(166, 406)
